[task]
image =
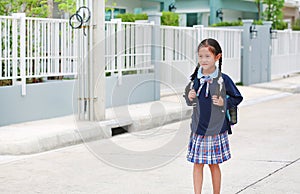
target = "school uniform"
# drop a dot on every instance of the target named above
(209, 125)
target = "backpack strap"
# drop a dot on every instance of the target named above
(220, 83)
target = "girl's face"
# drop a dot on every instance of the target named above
(207, 60)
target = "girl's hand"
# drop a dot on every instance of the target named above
(192, 94)
(217, 101)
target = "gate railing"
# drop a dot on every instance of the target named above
(36, 48)
(128, 47)
(285, 53)
(180, 44)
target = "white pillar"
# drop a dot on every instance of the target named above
(98, 60)
(156, 50)
(22, 33)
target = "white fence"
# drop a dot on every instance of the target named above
(179, 51)
(231, 42)
(35, 48)
(285, 53)
(128, 47)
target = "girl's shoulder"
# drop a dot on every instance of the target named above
(227, 79)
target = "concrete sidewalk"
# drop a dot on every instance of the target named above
(44, 135)
(264, 146)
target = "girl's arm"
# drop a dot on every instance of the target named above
(234, 95)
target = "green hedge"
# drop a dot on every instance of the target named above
(235, 23)
(296, 26)
(280, 25)
(130, 17)
(258, 22)
(169, 19)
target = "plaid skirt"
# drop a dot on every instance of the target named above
(208, 149)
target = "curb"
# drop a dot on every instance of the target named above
(89, 131)
(283, 87)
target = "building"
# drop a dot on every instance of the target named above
(291, 10)
(200, 12)
(192, 12)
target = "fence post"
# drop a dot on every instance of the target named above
(15, 47)
(22, 34)
(156, 51)
(199, 32)
(266, 46)
(120, 50)
(199, 36)
(246, 53)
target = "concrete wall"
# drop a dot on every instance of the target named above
(42, 101)
(256, 54)
(57, 98)
(133, 89)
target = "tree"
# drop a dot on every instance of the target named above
(36, 8)
(8, 6)
(258, 5)
(67, 6)
(273, 12)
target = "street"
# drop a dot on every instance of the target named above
(265, 159)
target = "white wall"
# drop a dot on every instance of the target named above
(150, 6)
(205, 19)
(230, 15)
(182, 19)
(128, 5)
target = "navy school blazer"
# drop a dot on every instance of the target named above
(200, 122)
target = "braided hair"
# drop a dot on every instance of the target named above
(214, 47)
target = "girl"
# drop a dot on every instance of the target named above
(212, 93)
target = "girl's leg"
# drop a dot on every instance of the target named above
(216, 177)
(198, 178)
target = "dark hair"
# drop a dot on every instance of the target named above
(213, 47)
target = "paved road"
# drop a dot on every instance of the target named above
(265, 147)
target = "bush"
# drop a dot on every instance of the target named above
(258, 22)
(130, 17)
(235, 23)
(141, 16)
(126, 17)
(280, 25)
(296, 25)
(169, 19)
